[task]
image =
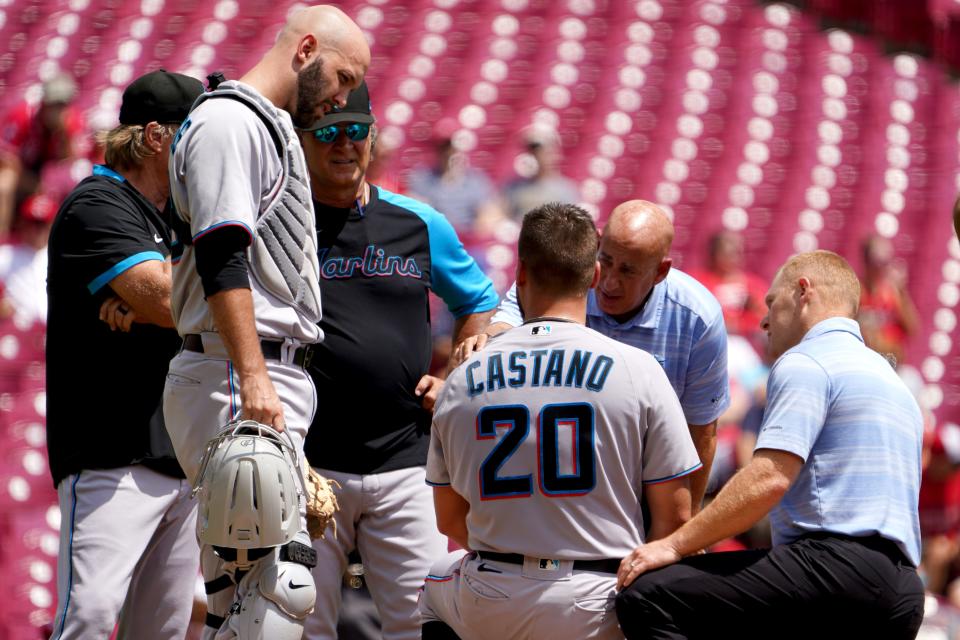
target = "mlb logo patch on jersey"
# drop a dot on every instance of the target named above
(541, 330)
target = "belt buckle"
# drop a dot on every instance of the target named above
(307, 356)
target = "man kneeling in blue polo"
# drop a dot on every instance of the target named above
(837, 465)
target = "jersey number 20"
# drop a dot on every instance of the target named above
(578, 416)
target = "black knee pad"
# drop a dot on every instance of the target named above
(300, 553)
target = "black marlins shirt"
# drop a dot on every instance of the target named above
(377, 267)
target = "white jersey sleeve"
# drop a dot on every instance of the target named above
(437, 473)
(508, 311)
(668, 451)
(224, 167)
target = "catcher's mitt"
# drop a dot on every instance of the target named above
(321, 504)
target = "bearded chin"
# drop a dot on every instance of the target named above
(311, 88)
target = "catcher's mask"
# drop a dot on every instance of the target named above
(249, 488)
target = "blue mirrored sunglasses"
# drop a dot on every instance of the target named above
(356, 131)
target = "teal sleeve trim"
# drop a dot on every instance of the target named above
(98, 283)
(674, 476)
(454, 274)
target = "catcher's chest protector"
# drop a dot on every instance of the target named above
(283, 256)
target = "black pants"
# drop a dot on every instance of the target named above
(820, 587)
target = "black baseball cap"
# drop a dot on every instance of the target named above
(357, 109)
(159, 96)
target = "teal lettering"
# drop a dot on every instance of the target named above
(330, 267)
(537, 357)
(473, 388)
(598, 374)
(495, 373)
(517, 368)
(554, 372)
(578, 368)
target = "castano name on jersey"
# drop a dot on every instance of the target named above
(537, 368)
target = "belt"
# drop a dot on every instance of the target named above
(875, 542)
(272, 349)
(609, 565)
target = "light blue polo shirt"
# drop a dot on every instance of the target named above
(681, 326)
(842, 408)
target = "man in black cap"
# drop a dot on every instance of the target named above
(380, 255)
(127, 540)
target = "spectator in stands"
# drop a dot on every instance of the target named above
(748, 374)
(32, 136)
(956, 217)
(382, 170)
(462, 193)
(887, 315)
(23, 263)
(469, 200)
(939, 506)
(547, 183)
(739, 292)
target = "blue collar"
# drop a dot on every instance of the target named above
(837, 323)
(104, 170)
(648, 318)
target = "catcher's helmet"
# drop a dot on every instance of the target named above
(249, 495)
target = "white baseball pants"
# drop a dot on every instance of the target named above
(389, 518)
(487, 600)
(128, 549)
(200, 397)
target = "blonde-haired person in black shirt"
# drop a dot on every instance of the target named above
(127, 540)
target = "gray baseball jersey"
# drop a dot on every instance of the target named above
(550, 434)
(226, 170)
(235, 174)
